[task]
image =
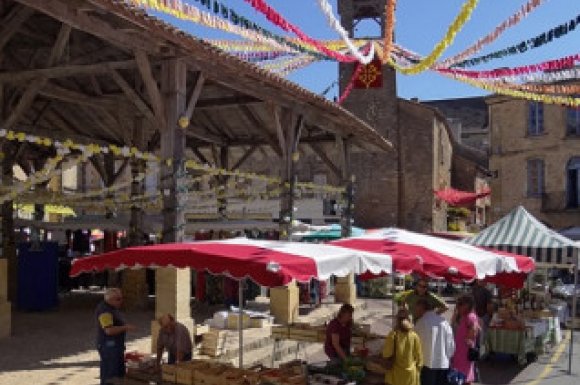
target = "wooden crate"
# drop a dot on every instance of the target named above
(168, 372)
(186, 371)
(213, 343)
(211, 375)
(280, 332)
(308, 335)
(233, 321)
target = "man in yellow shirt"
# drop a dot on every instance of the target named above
(408, 299)
(111, 331)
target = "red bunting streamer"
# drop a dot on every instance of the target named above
(350, 85)
(551, 65)
(274, 17)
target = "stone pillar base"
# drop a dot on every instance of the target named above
(189, 323)
(5, 319)
(135, 289)
(284, 302)
(345, 293)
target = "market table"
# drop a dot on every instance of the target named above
(508, 341)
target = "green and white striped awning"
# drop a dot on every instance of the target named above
(521, 233)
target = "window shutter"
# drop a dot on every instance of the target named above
(540, 118)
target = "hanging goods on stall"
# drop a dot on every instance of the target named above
(460, 198)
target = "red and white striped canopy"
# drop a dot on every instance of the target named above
(439, 258)
(268, 263)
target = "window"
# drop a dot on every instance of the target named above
(535, 177)
(573, 121)
(536, 119)
(573, 183)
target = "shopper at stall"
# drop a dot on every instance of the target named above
(437, 343)
(408, 299)
(339, 334)
(466, 328)
(403, 348)
(483, 299)
(111, 331)
(175, 338)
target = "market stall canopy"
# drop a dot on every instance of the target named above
(460, 198)
(439, 258)
(268, 263)
(520, 233)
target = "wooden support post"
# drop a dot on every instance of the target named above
(222, 200)
(347, 180)
(289, 129)
(135, 281)
(173, 286)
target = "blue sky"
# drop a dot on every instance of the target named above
(420, 25)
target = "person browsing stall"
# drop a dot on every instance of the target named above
(175, 338)
(408, 299)
(111, 332)
(437, 343)
(339, 334)
(403, 347)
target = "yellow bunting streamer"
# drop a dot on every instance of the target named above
(428, 61)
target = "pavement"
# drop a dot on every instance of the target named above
(57, 347)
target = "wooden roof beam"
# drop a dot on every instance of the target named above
(74, 97)
(244, 157)
(227, 101)
(144, 66)
(260, 126)
(65, 71)
(32, 90)
(132, 95)
(319, 151)
(10, 24)
(67, 13)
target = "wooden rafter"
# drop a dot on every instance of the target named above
(54, 91)
(261, 127)
(32, 90)
(325, 158)
(10, 24)
(151, 86)
(244, 157)
(52, 72)
(195, 93)
(69, 14)
(132, 95)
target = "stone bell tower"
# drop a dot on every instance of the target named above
(374, 100)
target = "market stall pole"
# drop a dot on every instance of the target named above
(241, 323)
(573, 321)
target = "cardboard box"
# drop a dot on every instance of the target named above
(168, 372)
(284, 303)
(345, 293)
(260, 322)
(307, 335)
(233, 321)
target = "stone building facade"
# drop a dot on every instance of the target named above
(468, 119)
(395, 188)
(535, 153)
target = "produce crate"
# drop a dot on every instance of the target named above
(304, 334)
(211, 375)
(280, 332)
(213, 343)
(233, 319)
(186, 371)
(168, 372)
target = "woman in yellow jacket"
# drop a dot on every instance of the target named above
(404, 344)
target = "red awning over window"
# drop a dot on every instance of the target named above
(460, 198)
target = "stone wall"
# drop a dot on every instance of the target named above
(511, 148)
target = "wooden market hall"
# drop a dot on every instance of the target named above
(85, 75)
